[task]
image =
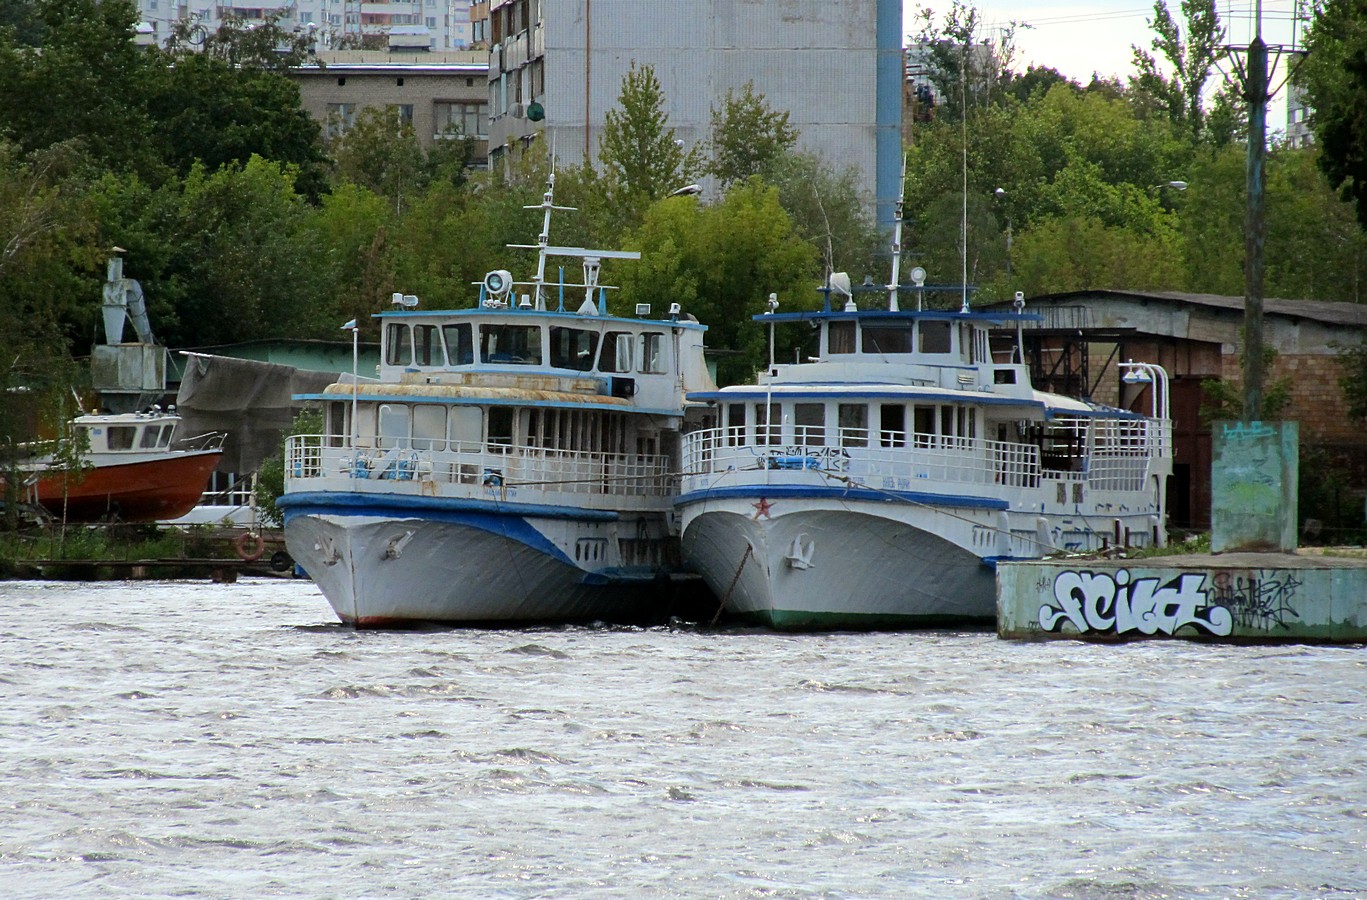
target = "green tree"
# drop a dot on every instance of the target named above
(720, 261)
(213, 111)
(968, 66)
(640, 156)
(748, 137)
(1191, 58)
(87, 82)
(1334, 75)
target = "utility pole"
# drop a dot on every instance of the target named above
(1253, 70)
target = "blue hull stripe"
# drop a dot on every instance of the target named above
(360, 504)
(504, 524)
(864, 495)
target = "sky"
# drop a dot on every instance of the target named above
(1079, 38)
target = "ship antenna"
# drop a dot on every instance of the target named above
(897, 240)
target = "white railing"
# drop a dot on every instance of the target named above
(309, 457)
(1123, 451)
(895, 459)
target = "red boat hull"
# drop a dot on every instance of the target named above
(164, 488)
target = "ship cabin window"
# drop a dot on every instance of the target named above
(652, 353)
(154, 436)
(460, 343)
(892, 424)
(518, 345)
(968, 343)
(335, 423)
(840, 337)
(923, 424)
(616, 355)
(463, 427)
(735, 424)
(394, 420)
(768, 422)
(426, 346)
(573, 348)
(934, 336)
(120, 437)
(853, 423)
(429, 427)
(887, 338)
(500, 429)
(809, 424)
(398, 345)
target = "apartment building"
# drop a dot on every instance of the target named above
(556, 68)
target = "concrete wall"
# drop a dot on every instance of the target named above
(1231, 597)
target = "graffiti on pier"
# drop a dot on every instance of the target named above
(1112, 602)
(1261, 600)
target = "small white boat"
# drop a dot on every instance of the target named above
(876, 484)
(515, 461)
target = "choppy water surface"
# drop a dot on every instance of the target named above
(180, 739)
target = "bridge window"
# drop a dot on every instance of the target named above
(398, 345)
(768, 422)
(460, 345)
(573, 348)
(518, 345)
(426, 345)
(840, 337)
(887, 338)
(652, 353)
(616, 352)
(934, 336)
(735, 424)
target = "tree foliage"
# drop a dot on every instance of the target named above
(641, 158)
(1334, 75)
(748, 137)
(1191, 56)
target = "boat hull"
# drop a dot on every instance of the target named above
(468, 568)
(837, 568)
(149, 490)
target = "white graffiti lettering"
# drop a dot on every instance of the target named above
(1098, 601)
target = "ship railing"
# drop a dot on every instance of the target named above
(210, 440)
(497, 466)
(873, 458)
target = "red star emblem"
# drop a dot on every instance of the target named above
(762, 508)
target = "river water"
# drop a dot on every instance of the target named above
(181, 739)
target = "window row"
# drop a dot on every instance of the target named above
(560, 347)
(847, 424)
(921, 336)
(427, 426)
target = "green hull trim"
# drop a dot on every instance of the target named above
(806, 620)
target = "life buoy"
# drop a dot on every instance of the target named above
(249, 546)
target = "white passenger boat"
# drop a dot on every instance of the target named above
(876, 484)
(515, 462)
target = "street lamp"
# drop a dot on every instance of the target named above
(688, 190)
(1000, 194)
(1175, 185)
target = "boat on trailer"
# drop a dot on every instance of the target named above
(515, 461)
(877, 484)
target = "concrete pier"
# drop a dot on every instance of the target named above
(1235, 597)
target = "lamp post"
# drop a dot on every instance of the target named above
(355, 366)
(1000, 194)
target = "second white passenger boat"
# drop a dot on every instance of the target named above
(877, 484)
(515, 462)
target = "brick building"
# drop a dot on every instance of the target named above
(1195, 337)
(430, 91)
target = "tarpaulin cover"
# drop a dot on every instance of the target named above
(252, 401)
